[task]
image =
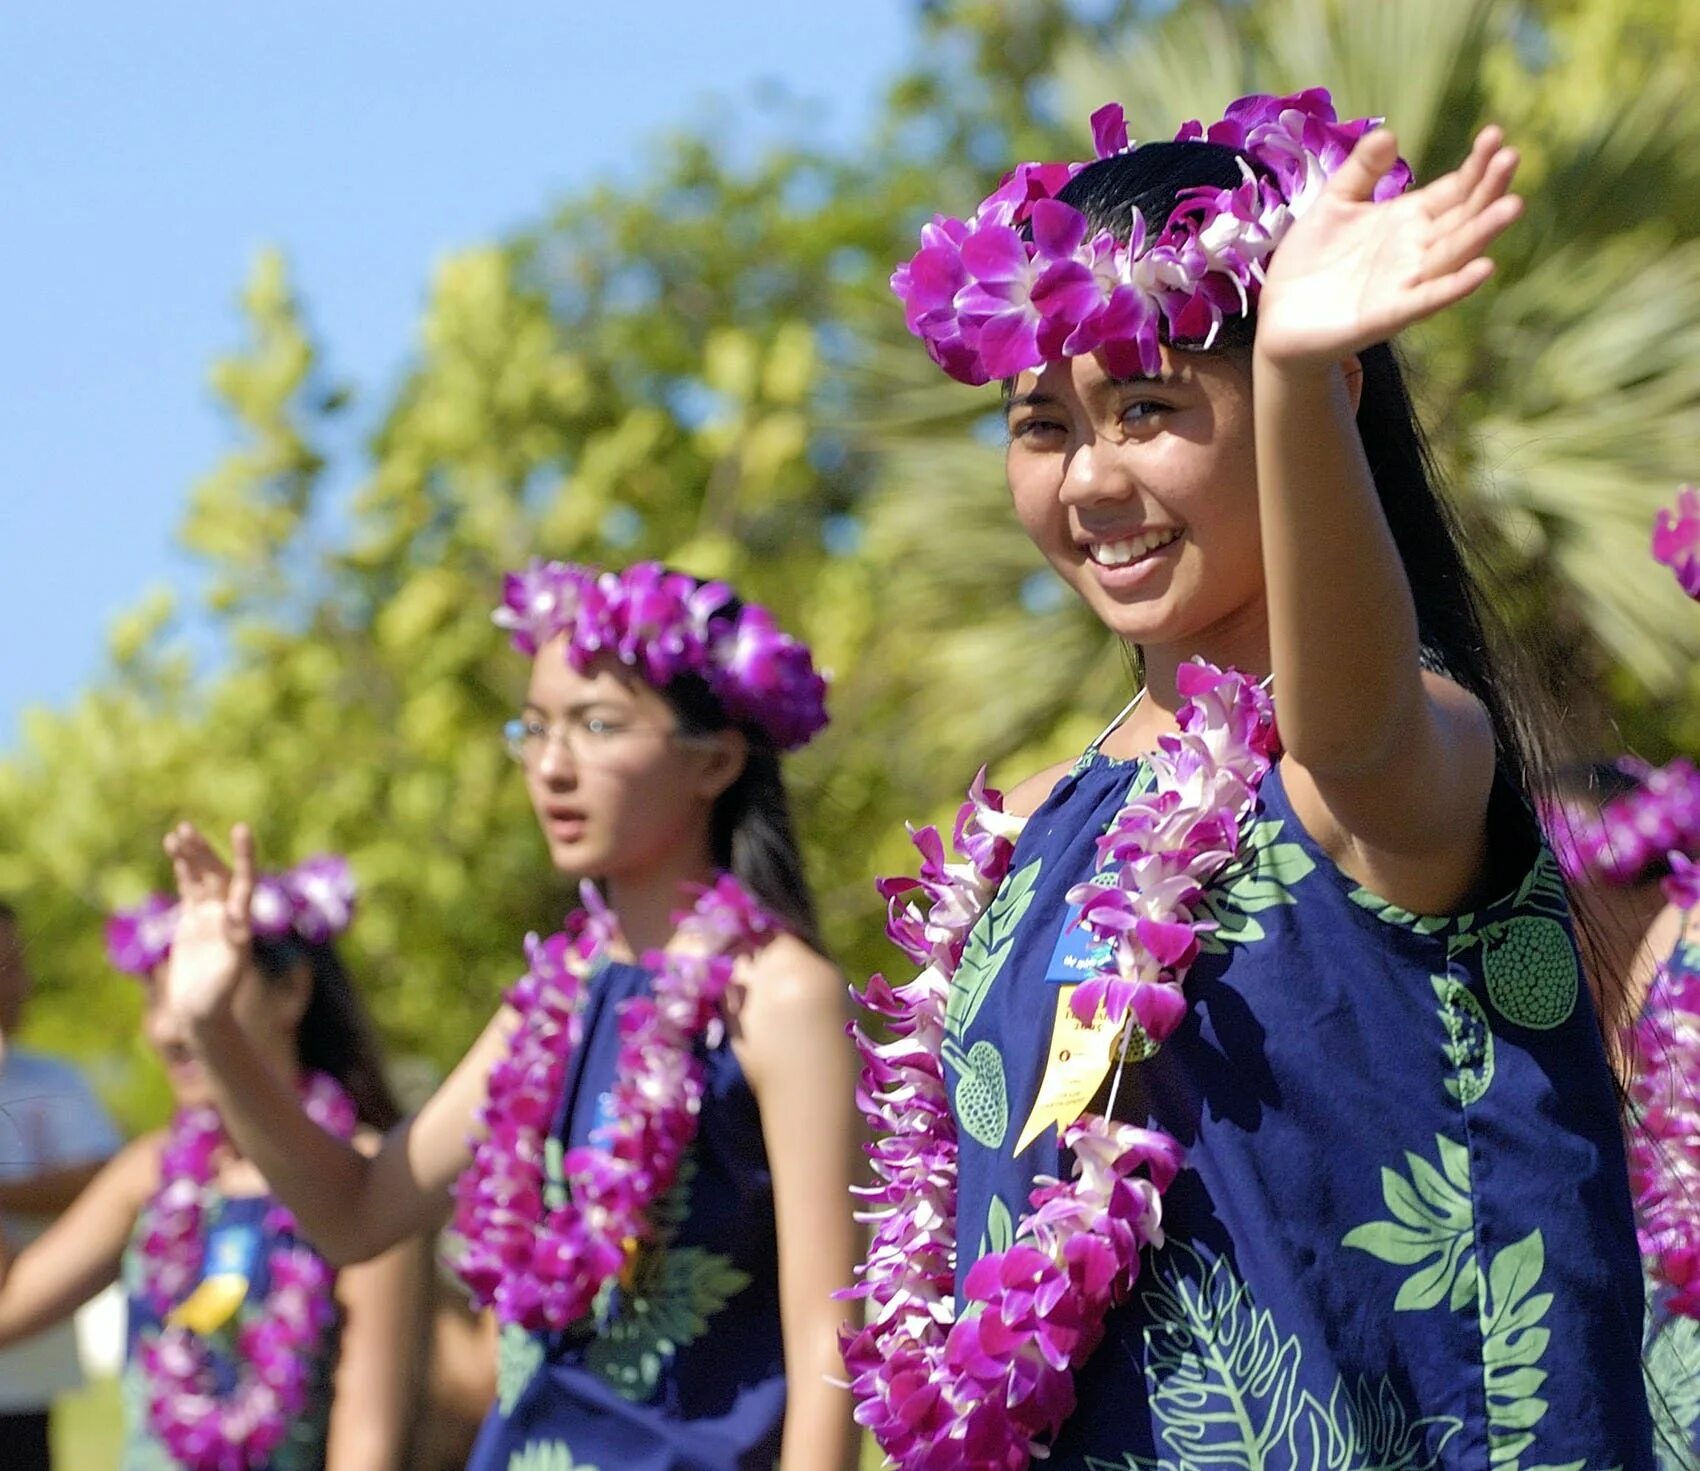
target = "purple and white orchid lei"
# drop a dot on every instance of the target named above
(1024, 282)
(540, 1264)
(985, 1387)
(314, 901)
(1664, 1151)
(278, 1347)
(1632, 834)
(666, 624)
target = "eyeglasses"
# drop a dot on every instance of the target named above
(587, 738)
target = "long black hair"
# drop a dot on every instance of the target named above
(336, 1035)
(751, 834)
(1456, 629)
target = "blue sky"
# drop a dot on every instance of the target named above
(147, 153)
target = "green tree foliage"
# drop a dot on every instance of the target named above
(707, 368)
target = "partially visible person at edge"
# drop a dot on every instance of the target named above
(1349, 1187)
(247, 1351)
(1627, 836)
(54, 1137)
(654, 1137)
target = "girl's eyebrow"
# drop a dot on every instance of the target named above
(1028, 400)
(1166, 378)
(582, 707)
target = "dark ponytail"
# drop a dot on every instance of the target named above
(336, 1035)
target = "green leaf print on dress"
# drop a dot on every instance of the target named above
(988, 948)
(1469, 1039)
(1433, 1229)
(1262, 876)
(671, 1295)
(1225, 1392)
(982, 1092)
(546, 1455)
(1671, 1367)
(1529, 961)
(981, 1095)
(519, 1355)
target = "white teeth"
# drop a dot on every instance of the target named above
(1120, 553)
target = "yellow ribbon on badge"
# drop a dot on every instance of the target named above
(1077, 1063)
(211, 1305)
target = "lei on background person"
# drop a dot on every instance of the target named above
(229, 1407)
(1631, 833)
(540, 1263)
(233, 1420)
(1023, 282)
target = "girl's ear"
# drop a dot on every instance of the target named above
(1353, 368)
(724, 755)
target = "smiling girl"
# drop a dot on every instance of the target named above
(1249, 1111)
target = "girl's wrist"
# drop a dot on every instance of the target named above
(1299, 370)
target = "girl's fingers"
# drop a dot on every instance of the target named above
(181, 873)
(1452, 191)
(1455, 250)
(1494, 184)
(242, 874)
(1438, 293)
(1367, 165)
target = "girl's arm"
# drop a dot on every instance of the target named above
(351, 1205)
(1389, 767)
(384, 1338)
(791, 1040)
(79, 1253)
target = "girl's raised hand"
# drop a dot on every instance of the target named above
(213, 943)
(1353, 272)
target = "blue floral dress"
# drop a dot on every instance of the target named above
(243, 1219)
(1402, 1237)
(680, 1368)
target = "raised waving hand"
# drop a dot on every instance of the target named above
(1353, 271)
(213, 944)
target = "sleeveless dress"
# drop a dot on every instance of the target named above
(303, 1449)
(681, 1368)
(1671, 1352)
(1402, 1236)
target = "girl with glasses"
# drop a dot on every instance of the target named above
(647, 1153)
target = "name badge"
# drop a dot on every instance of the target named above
(233, 1253)
(1078, 952)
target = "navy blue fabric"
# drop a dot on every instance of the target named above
(304, 1447)
(1403, 1234)
(684, 1371)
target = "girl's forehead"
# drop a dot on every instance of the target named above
(555, 684)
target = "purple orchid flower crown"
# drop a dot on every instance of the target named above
(666, 624)
(314, 901)
(1022, 283)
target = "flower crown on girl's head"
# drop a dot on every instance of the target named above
(666, 624)
(1022, 283)
(314, 902)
